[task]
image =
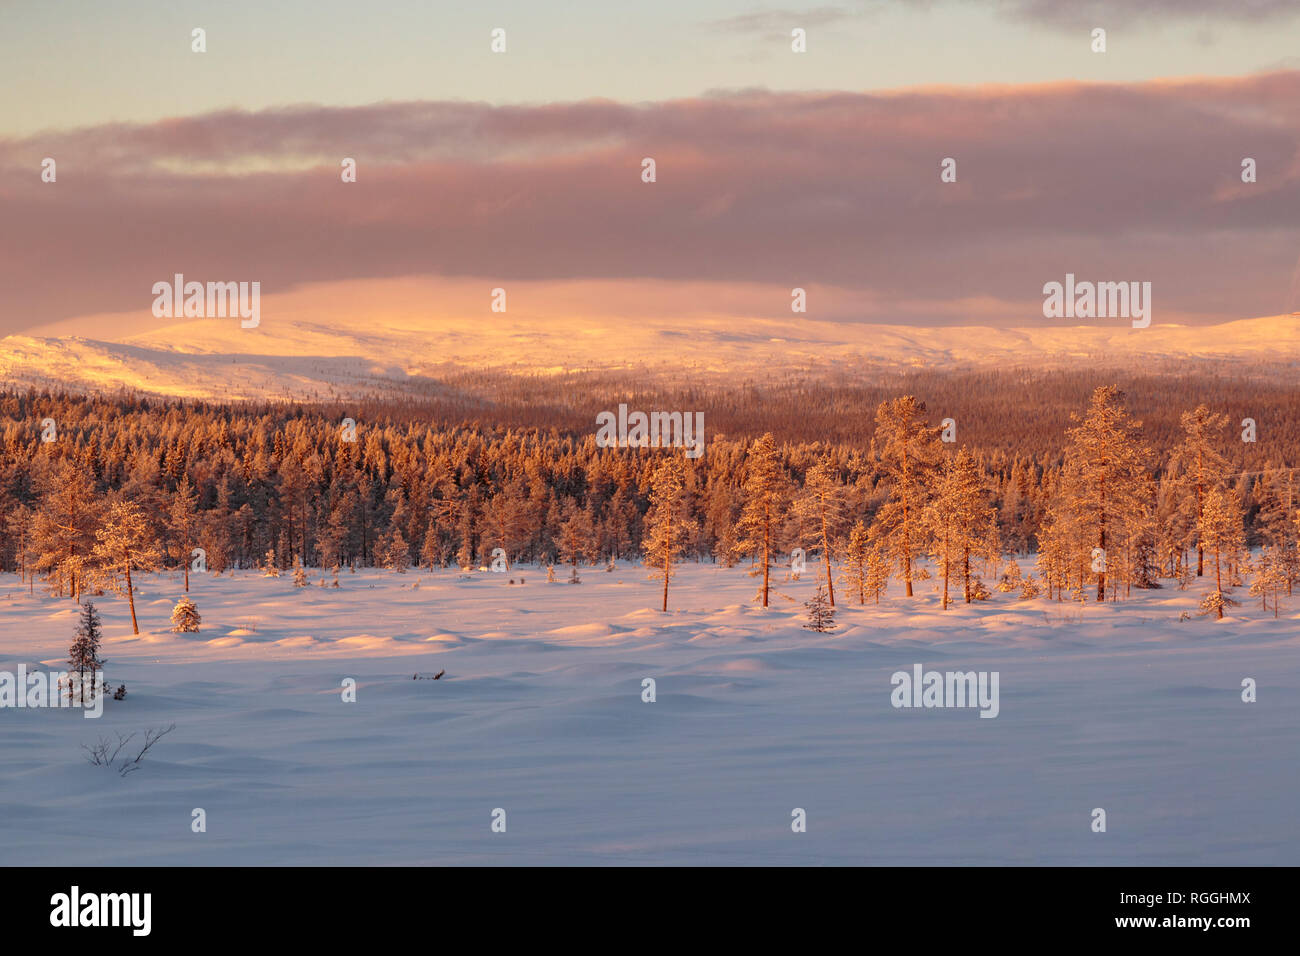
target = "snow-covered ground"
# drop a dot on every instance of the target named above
(540, 713)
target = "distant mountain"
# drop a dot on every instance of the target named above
(216, 359)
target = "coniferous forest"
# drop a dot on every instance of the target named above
(1100, 500)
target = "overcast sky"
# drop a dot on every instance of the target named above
(818, 169)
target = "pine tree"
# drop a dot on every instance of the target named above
(215, 529)
(1219, 530)
(185, 616)
(822, 504)
(1103, 479)
(1011, 578)
(1289, 559)
(958, 522)
(20, 524)
(1275, 493)
(466, 524)
(855, 562)
(505, 520)
(821, 615)
(1204, 465)
(1059, 541)
(720, 523)
(764, 498)
(878, 574)
(269, 568)
(942, 526)
(576, 539)
(1271, 577)
(183, 522)
(986, 549)
(83, 655)
(431, 553)
(669, 526)
(63, 530)
(909, 453)
(393, 551)
(125, 543)
(299, 573)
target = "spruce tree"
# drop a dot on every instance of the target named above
(764, 500)
(83, 655)
(821, 615)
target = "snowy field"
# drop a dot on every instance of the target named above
(1123, 707)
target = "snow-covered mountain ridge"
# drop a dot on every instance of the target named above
(216, 359)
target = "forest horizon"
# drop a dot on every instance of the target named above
(403, 485)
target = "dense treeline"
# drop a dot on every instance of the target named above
(128, 482)
(1005, 413)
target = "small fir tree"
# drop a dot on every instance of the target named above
(83, 655)
(821, 616)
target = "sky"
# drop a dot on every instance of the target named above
(774, 169)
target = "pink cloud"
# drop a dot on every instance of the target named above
(1122, 182)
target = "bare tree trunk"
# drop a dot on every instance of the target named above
(1200, 551)
(1218, 582)
(1101, 575)
(907, 538)
(826, 554)
(130, 597)
(946, 564)
(767, 544)
(668, 557)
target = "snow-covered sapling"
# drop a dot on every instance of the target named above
(185, 616)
